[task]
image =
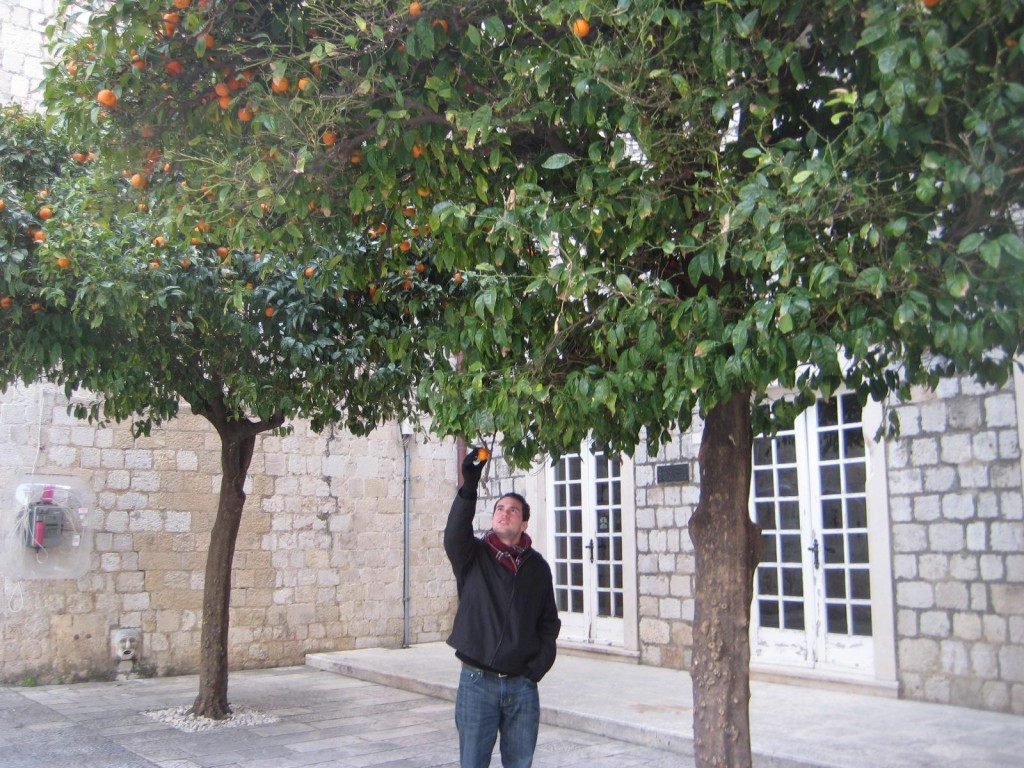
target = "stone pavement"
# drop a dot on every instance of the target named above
(791, 726)
(393, 709)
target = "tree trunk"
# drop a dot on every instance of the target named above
(727, 548)
(236, 453)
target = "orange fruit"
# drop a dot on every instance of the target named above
(405, 245)
(72, 67)
(930, 3)
(269, 311)
(45, 213)
(173, 68)
(223, 252)
(2, 205)
(303, 83)
(182, 4)
(138, 181)
(64, 262)
(421, 268)
(417, 151)
(423, 191)
(171, 21)
(185, 263)
(107, 98)
(154, 264)
(440, 23)
(482, 454)
(159, 241)
(357, 157)
(224, 102)
(39, 236)
(410, 210)
(329, 138)
(35, 306)
(308, 272)
(415, 9)
(581, 27)
(279, 85)
(6, 302)
(245, 114)
(406, 284)
(221, 89)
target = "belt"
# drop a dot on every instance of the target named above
(488, 672)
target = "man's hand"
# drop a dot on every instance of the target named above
(472, 467)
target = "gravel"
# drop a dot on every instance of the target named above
(178, 717)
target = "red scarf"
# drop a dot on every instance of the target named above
(509, 555)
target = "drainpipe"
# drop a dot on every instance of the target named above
(406, 502)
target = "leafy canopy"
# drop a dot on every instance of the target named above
(651, 211)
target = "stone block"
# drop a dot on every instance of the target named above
(1007, 599)
(915, 594)
(1000, 410)
(1007, 536)
(946, 537)
(953, 595)
(1011, 664)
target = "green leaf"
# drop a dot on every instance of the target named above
(556, 161)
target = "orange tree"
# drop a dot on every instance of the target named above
(665, 208)
(248, 340)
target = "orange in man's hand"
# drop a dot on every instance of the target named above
(482, 454)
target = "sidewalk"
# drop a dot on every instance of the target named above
(791, 726)
(392, 709)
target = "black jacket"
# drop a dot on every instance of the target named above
(507, 622)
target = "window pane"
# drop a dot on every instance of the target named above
(793, 615)
(836, 619)
(767, 581)
(856, 513)
(861, 620)
(832, 514)
(768, 612)
(764, 485)
(768, 553)
(828, 446)
(785, 448)
(835, 548)
(830, 481)
(827, 413)
(789, 514)
(791, 551)
(835, 583)
(766, 515)
(860, 584)
(853, 443)
(788, 482)
(792, 582)
(858, 547)
(856, 477)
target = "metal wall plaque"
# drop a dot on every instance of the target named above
(673, 473)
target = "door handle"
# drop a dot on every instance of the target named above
(590, 548)
(814, 549)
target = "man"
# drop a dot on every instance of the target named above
(505, 627)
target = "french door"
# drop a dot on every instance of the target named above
(592, 546)
(813, 599)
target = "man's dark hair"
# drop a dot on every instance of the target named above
(518, 497)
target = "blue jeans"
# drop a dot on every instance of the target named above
(487, 705)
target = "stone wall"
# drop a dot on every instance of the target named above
(665, 562)
(319, 559)
(22, 56)
(958, 548)
(954, 483)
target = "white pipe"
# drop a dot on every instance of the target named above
(406, 494)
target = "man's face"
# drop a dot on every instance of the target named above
(507, 520)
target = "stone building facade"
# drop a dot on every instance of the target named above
(895, 567)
